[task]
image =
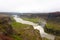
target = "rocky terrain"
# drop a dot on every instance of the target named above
(5, 28)
(11, 30)
(53, 23)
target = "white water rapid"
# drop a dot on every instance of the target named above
(36, 26)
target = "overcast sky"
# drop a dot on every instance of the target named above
(29, 5)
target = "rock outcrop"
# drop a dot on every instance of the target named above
(8, 32)
(5, 28)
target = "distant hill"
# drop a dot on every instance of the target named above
(42, 15)
(10, 13)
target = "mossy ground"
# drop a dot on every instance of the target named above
(17, 26)
(35, 20)
(25, 32)
(53, 25)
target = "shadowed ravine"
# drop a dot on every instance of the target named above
(36, 26)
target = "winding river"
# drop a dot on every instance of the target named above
(36, 26)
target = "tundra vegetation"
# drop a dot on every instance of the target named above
(52, 23)
(12, 30)
(26, 32)
(35, 20)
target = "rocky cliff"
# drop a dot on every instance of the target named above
(5, 28)
(11, 30)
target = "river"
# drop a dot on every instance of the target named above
(35, 26)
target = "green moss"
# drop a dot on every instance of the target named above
(35, 20)
(17, 27)
(53, 25)
(25, 32)
(16, 37)
(45, 38)
(20, 29)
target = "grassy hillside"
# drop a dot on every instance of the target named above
(53, 25)
(25, 32)
(35, 20)
(12, 30)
